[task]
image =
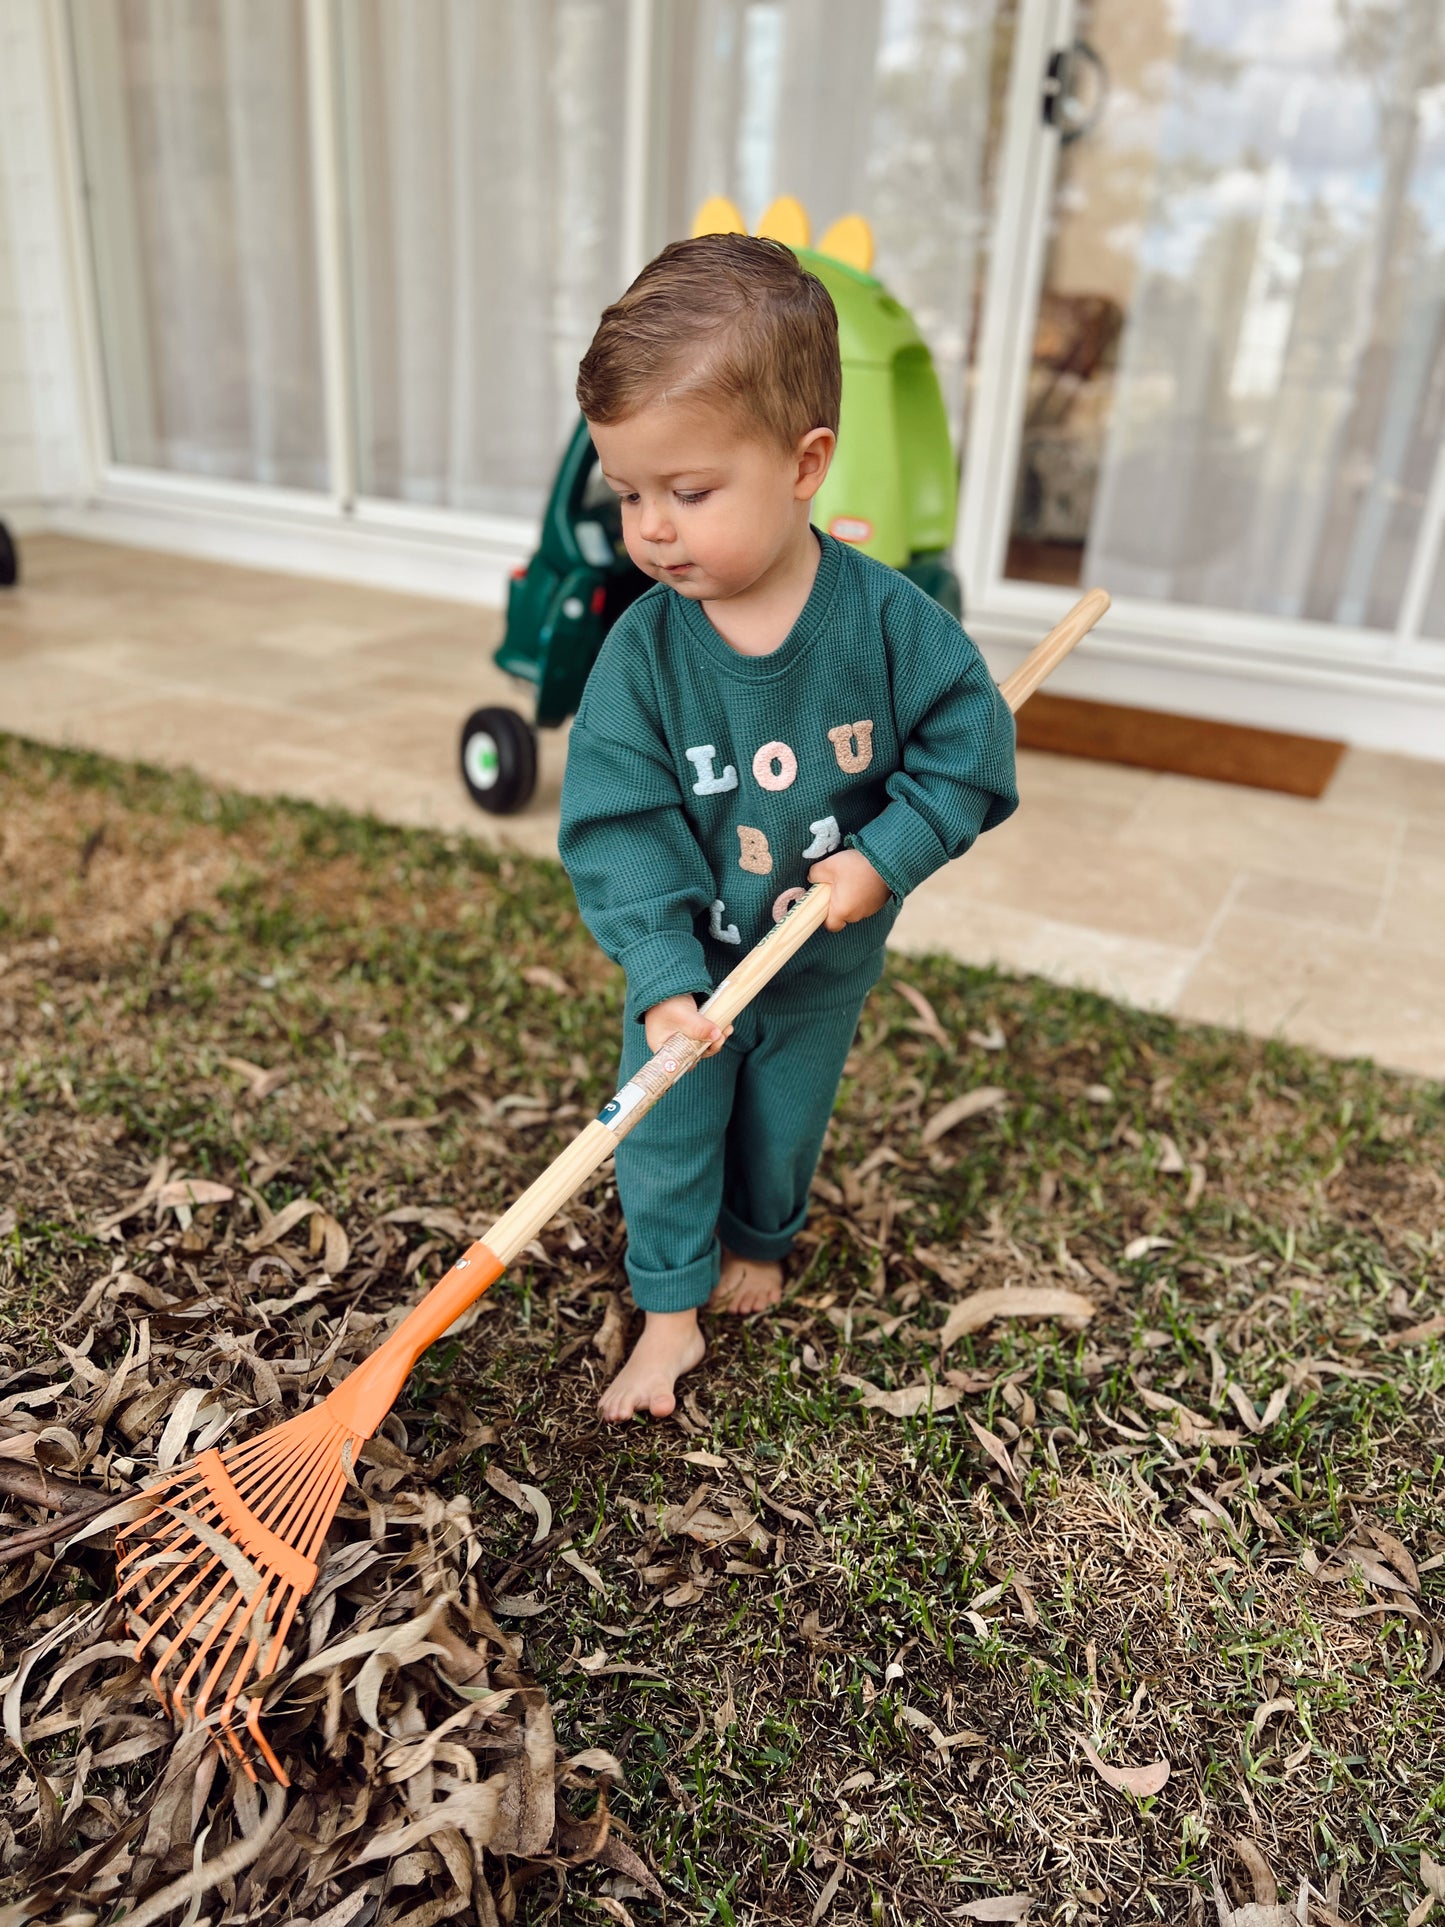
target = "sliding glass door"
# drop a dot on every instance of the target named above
(1235, 398)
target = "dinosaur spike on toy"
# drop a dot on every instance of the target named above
(786, 221)
(718, 215)
(849, 240)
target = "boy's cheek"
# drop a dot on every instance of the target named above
(637, 552)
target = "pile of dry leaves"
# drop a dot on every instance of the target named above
(425, 1774)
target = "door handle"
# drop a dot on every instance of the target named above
(1059, 106)
(1056, 84)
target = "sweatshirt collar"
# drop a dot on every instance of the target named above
(812, 618)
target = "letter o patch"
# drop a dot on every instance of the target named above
(766, 776)
(785, 903)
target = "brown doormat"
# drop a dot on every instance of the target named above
(1264, 759)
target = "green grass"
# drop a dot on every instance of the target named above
(1155, 1580)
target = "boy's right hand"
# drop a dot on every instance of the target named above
(681, 1013)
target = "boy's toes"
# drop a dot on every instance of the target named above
(645, 1383)
(747, 1285)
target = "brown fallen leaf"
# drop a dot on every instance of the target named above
(988, 1097)
(996, 1907)
(928, 1022)
(589, 1573)
(609, 1340)
(1141, 1247)
(915, 1717)
(1141, 1781)
(1266, 1711)
(996, 1450)
(1415, 1334)
(980, 1308)
(1400, 1559)
(544, 979)
(1170, 1162)
(906, 1401)
(260, 1082)
(830, 1887)
(520, 1605)
(334, 1241)
(192, 1191)
(528, 1498)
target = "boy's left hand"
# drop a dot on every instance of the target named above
(858, 890)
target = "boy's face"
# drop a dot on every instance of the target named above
(708, 505)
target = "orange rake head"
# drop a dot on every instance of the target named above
(213, 1574)
(212, 1577)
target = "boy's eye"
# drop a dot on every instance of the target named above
(699, 495)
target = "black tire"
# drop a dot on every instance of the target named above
(9, 560)
(499, 760)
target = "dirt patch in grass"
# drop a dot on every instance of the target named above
(838, 1655)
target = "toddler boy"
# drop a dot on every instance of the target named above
(779, 710)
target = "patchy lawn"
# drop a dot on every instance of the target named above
(873, 1628)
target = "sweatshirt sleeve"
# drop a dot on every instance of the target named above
(957, 738)
(639, 873)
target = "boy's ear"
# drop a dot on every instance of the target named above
(814, 456)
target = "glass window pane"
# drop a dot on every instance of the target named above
(196, 151)
(485, 146)
(880, 107)
(1239, 363)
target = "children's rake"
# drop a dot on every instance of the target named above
(213, 1574)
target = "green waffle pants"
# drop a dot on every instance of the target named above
(729, 1152)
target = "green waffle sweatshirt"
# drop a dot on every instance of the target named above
(702, 784)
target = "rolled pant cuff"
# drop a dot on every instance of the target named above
(681, 1290)
(764, 1247)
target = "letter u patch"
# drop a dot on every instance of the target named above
(853, 746)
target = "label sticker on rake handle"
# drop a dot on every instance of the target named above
(618, 1108)
(654, 1077)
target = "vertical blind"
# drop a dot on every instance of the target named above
(484, 143)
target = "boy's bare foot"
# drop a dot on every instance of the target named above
(746, 1284)
(671, 1344)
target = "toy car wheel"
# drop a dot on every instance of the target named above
(9, 560)
(499, 759)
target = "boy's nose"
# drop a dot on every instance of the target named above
(654, 523)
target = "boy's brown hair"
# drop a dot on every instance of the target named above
(725, 318)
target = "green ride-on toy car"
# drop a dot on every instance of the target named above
(892, 491)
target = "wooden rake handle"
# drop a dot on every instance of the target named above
(485, 1261)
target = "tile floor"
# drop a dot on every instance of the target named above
(1321, 921)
